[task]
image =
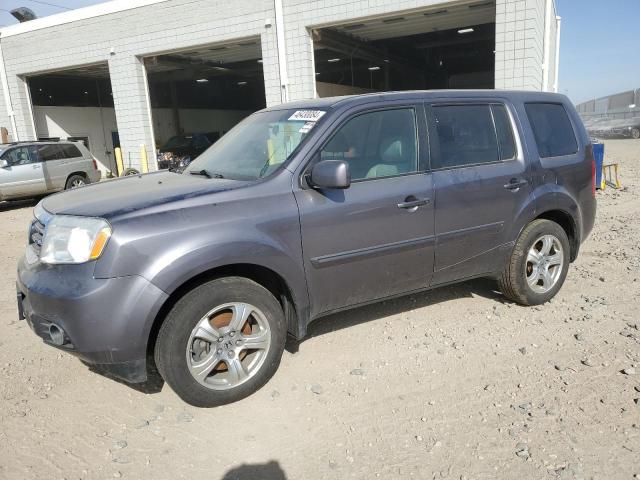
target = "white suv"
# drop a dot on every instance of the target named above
(29, 169)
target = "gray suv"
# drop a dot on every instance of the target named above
(302, 210)
(30, 169)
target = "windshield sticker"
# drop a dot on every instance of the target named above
(307, 115)
(306, 128)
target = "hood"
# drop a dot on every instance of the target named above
(111, 198)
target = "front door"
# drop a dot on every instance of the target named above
(481, 181)
(23, 176)
(374, 239)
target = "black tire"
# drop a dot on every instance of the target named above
(513, 281)
(635, 133)
(130, 171)
(75, 181)
(174, 336)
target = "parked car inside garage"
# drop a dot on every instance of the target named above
(181, 150)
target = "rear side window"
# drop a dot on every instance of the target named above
(465, 134)
(70, 151)
(552, 129)
(50, 152)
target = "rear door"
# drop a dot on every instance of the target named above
(24, 175)
(54, 164)
(481, 180)
(374, 239)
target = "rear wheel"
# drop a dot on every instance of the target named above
(75, 181)
(635, 133)
(538, 265)
(221, 342)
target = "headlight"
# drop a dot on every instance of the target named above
(69, 239)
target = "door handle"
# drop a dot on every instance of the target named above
(515, 184)
(412, 203)
(36, 166)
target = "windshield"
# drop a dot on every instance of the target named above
(178, 142)
(257, 146)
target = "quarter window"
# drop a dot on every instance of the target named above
(70, 151)
(552, 129)
(376, 144)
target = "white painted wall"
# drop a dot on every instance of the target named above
(93, 122)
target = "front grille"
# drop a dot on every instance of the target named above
(36, 233)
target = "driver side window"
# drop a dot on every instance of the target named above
(376, 144)
(21, 156)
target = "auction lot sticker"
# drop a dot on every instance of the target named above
(307, 115)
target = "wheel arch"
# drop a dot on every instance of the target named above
(79, 173)
(568, 224)
(295, 313)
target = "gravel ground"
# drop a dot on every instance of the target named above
(455, 383)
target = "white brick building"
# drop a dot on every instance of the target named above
(149, 69)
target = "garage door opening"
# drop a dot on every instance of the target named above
(198, 95)
(77, 104)
(445, 47)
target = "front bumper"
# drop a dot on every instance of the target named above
(105, 322)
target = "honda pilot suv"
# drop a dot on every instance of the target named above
(301, 210)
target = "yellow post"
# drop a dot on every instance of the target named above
(119, 164)
(144, 163)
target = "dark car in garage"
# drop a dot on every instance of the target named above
(181, 150)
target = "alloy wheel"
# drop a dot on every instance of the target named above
(228, 346)
(545, 261)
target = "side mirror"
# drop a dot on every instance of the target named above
(4, 164)
(331, 174)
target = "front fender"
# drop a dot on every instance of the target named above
(170, 275)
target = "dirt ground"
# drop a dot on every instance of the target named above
(454, 383)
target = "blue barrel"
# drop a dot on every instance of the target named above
(598, 154)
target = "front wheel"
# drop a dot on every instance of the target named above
(221, 342)
(538, 265)
(635, 133)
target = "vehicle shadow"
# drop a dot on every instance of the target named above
(7, 206)
(482, 287)
(263, 471)
(153, 384)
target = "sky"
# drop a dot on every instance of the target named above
(598, 49)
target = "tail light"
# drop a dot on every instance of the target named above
(95, 163)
